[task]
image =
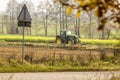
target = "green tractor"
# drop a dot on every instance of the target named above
(66, 38)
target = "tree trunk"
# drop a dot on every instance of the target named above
(45, 18)
(2, 25)
(27, 31)
(56, 26)
(76, 26)
(30, 31)
(63, 20)
(36, 29)
(10, 23)
(60, 20)
(108, 32)
(103, 34)
(66, 26)
(79, 27)
(46, 24)
(90, 24)
(12, 26)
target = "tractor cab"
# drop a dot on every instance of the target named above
(66, 37)
(65, 33)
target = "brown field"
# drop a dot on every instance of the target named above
(37, 54)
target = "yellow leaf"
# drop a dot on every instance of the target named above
(69, 10)
(75, 0)
(94, 1)
(96, 12)
(92, 6)
(105, 5)
(82, 3)
(88, 2)
(88, 12)
(78, 14)
(99, 12)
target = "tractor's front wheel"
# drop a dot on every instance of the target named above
(58, 40)
(70, 41)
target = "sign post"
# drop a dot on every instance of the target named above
(24, 20)
(23, 46)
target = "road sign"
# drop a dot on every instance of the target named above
(24, 18)
(24, 23)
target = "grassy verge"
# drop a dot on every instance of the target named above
(55, 65)
(43, 68)
(49, 69)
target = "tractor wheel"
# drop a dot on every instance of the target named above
(58, 40)
(77, 41)
(70, 41)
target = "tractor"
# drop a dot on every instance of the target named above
(65, 37)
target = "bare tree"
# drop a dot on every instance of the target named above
(45, 8)
(11, 10)
(90, 25)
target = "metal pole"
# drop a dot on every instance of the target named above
(23, 47)
(23, 37)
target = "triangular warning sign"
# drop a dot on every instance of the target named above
(24, 14)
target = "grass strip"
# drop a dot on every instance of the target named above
(37, 68)
(44, 39)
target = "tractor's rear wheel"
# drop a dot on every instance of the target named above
(58, 40)
(70, 41)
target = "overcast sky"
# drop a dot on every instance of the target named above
(3, 3)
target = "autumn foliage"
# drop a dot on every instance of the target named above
(105, 10)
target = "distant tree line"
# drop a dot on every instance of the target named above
(49, 18)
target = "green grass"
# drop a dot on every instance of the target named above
(100, 42)
(44, 39)
(27, 67)
(55, 65)
(37, 68)
(18, 38)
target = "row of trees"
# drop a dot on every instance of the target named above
(49, 19)
(9, 17)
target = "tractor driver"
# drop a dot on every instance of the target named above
(67, 34)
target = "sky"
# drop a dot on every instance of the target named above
(3, 3)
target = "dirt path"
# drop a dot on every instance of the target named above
(60, 76)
